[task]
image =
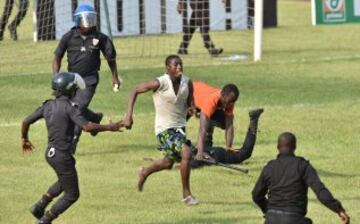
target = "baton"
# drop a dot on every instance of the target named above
(242, 170)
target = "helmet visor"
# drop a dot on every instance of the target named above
(79, 81)
(86, 19)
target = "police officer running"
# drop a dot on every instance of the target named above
(61, 115)
(286, 180)
(83, 45)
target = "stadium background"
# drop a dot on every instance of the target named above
(308, 83)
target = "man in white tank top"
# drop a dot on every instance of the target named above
(172, 95)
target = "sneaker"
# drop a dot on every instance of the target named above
(93, 133)
(37, 211)
(255, 114)
(215, 51)
(190, 200)
(13, 33)
(182, 51)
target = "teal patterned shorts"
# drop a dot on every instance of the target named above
(171, 143)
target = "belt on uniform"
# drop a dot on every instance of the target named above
(279, 212)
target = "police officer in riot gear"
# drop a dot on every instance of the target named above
(61, 115)
(83, 45)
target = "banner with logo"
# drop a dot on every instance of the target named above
(335, 11)
(139, 17)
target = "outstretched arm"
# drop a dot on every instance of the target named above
(323, 194)
(142, 88)
(93, 127)
(229, 130)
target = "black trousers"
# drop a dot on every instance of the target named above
(273, 218)
(223, 156)
(63, 164)
(200, 17)
(7, 12)
(244, 153)
(83, 99)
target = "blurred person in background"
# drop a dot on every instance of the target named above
(200, 17)
(23, 6)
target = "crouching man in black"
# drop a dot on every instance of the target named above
(234, 156)
(61, 115)
(285, 181)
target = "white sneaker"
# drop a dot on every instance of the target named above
(190, 200)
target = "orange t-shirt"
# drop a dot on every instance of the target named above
(207, 97)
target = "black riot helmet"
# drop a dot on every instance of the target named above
(66, 83)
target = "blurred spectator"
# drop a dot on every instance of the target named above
(200, 17)
(23, 6)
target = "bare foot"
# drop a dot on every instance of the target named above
(141, 179)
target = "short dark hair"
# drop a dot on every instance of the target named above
(170, 58)
(289, 138)
(231, 89)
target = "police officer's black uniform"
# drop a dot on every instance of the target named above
(286, 180)
(61, 115)
(83, 54)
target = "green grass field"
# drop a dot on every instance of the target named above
(308, 83)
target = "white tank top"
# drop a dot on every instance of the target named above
(170, 109)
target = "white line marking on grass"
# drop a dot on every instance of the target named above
(5, 125)
(321, 59)
(216, 62)
(24, 74)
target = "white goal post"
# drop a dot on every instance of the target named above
(258, 27)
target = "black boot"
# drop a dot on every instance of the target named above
(183, 48)
(1, 35)
(13, 33)
(215, 51)
(38, 208)
(212, 50)
(254, 118)
(47, 218)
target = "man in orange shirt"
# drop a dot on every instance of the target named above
(215, 107)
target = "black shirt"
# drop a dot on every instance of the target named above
(286, 180)
(83, 52)
(60, 116)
